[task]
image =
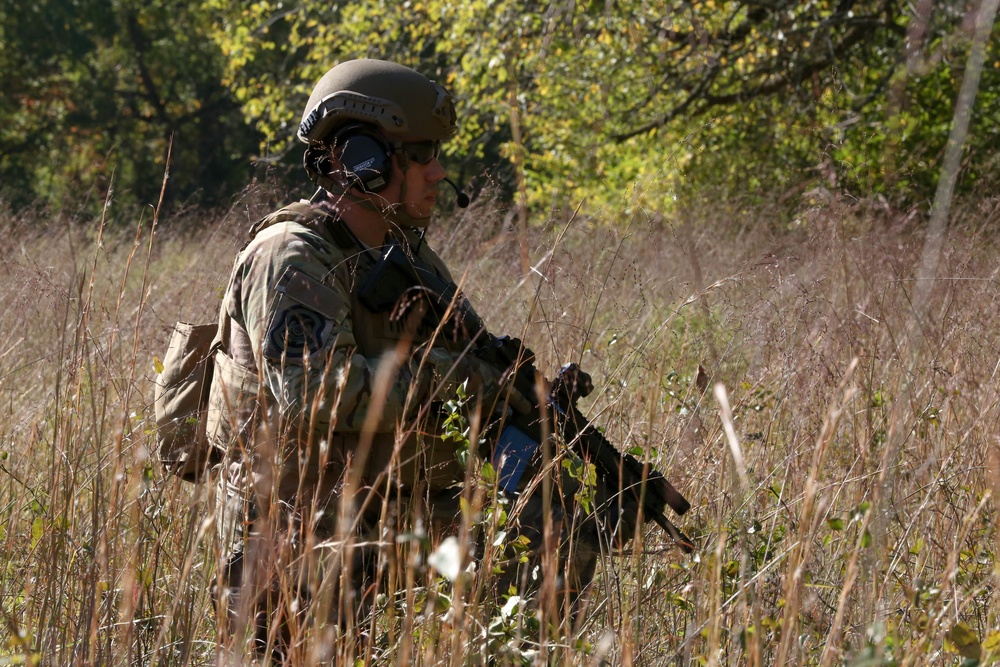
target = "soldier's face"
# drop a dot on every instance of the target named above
(419, 196)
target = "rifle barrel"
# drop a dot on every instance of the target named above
(682, 540)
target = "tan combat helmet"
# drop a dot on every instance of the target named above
(401, 101)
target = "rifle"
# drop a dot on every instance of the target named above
(640, 488)
(637, 485)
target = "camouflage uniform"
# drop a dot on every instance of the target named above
(293, 312)
(294, 387)
(295, 381)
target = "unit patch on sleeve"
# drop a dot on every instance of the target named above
(304, 317)
(296, 331)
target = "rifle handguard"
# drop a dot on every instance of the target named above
(643, 485)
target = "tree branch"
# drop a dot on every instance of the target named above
(141, 46)
(771, 79)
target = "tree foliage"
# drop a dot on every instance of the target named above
(648, 98)
(608, 101)
(94, 90)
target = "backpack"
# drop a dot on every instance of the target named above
(180, 403)
(181, 399)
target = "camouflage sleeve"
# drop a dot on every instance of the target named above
(300, 326)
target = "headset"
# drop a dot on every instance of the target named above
(366, 158)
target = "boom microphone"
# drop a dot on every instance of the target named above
(461, 199)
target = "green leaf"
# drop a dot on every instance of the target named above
(835, 523)
(489, 474)
(37, 530)
(991, 643)
(965, 641)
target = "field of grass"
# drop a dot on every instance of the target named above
(840, 449)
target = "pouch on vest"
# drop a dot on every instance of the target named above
(181, 398)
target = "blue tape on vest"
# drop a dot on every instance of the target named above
(513, 451)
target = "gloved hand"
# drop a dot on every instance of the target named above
(485, 386)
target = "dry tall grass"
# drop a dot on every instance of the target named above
(858, 522)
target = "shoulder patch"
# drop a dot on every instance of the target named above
(295, 333)
(314, 295)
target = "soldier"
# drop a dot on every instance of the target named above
(322, 386)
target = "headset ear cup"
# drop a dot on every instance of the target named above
(366, 160)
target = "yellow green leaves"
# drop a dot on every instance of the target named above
(964, 641)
